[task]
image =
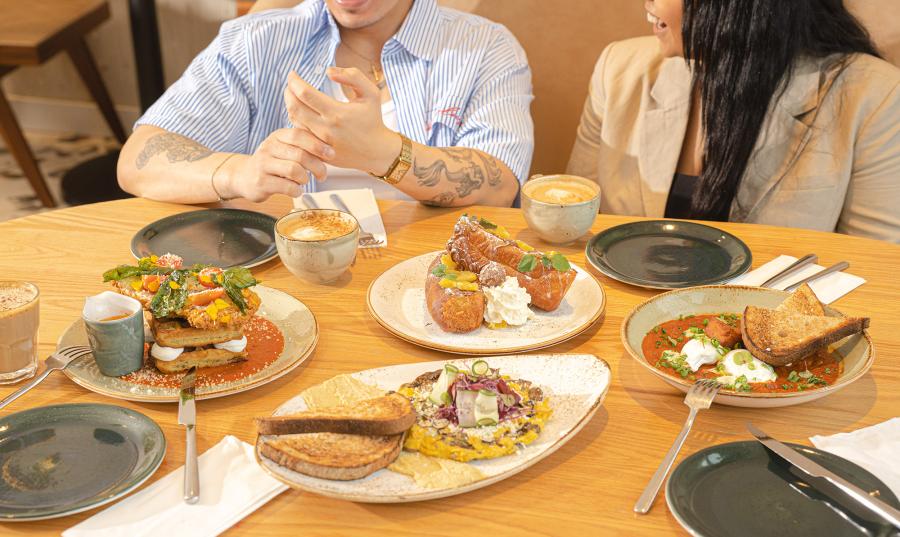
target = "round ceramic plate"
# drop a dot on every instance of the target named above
(738, 490)
(668, 254)
(396, 299)
(64, 459)
(220, 237)
(292, 317)
(575, 383)
(857, 350)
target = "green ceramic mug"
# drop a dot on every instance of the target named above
(115, 329)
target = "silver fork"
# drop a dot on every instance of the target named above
(365, 238)
(699, 397)
(57, 361)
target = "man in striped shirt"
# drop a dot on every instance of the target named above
(433, 102)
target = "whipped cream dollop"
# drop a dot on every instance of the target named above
(507, 302)
(165, 354)
(235, 345)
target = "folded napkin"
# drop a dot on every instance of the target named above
(874, 448)
(232, 486)
(828, 288)
(361, 202)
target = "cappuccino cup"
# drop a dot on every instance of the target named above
(560, 208)
(19, 319)
(317, 245)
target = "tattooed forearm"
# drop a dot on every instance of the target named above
(444, 199)
(176, 147)
(471, 170)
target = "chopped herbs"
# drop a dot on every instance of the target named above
(676, 361)
(785, 386)
(731, 319)
(439, 270)
(793, 377)
(698, 334)
(741, 384)
(705, 322)
(672, 341)
(560, 262)
(170, 298)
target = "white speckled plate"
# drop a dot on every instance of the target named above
(575, 384)
(857, 350)
(295, 321)
(396, 299)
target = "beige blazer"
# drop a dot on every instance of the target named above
(828, 156)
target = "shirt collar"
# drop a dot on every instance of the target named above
(416, 34)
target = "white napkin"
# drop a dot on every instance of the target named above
(874, 448)
(828, 288)
(361, 202)
(232, 486)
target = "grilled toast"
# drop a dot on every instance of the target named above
(780, 337)
(209, 357)
(341, 457)
(803, 301)
(177, 333)
(386, 415)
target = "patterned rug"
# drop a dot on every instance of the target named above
(56, 154)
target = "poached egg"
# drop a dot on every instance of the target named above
(740, 362)
(697, 353)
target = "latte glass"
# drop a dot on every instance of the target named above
(19, 319)
(317, 245)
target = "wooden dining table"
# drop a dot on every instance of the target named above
(587, 487)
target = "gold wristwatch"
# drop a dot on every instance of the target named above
(401, 164)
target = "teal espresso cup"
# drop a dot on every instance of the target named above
(115, 329)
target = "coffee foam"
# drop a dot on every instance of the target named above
(316, 226)
(14, 295)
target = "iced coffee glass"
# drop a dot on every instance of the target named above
(19, 307)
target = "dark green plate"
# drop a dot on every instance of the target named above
(221, 237)
(736, 489)
(64, 459)
(668, 254)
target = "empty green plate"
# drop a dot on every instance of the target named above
(668, 254)
(738, 490)
(220, 237)
(64, 459)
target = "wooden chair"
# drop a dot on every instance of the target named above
(30, 34)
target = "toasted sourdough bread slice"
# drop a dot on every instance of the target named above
(174, 333)
(341, 457)
(386, 415)
(803, 301)
(200, 358)
(783, 337)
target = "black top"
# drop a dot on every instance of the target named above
(678, 204)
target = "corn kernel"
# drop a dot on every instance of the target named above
(524, 246)
(212, 311)
(174, 285)
(221, 304)
(136, 285)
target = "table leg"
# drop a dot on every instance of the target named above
(84, 62)
(14, 139)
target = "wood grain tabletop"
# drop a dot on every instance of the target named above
(588, 487)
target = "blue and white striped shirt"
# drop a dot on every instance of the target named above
(456, 80)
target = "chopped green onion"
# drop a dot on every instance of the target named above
(480, 368)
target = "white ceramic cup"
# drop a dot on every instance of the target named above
(317, 260)
(560, 223)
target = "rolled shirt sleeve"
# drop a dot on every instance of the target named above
(498, 117)
(212, 102)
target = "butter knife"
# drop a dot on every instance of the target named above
(823, 480)
(187, 416)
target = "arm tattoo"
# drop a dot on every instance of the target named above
(176, 147)
(473, 169)
(444, 199)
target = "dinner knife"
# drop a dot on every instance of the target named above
(187, 416)
(808, 259)
(815, 474)
(837, 267)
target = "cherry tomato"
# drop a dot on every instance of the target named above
(205, 297)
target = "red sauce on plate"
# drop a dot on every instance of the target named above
(265, 342)
(670, 336)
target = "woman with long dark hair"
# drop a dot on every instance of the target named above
(768, 111)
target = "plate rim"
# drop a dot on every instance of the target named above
(793, 445)
(250, 264)
(106, 499)
(821, 392)
(481, 483)
(616, 275)
(303, 357)
(596, 317)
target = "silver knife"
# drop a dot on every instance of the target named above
(817, 472)
(187, 416)
(837, 267)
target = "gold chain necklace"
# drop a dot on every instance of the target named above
(377, 73)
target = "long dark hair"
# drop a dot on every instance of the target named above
(743, 52)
